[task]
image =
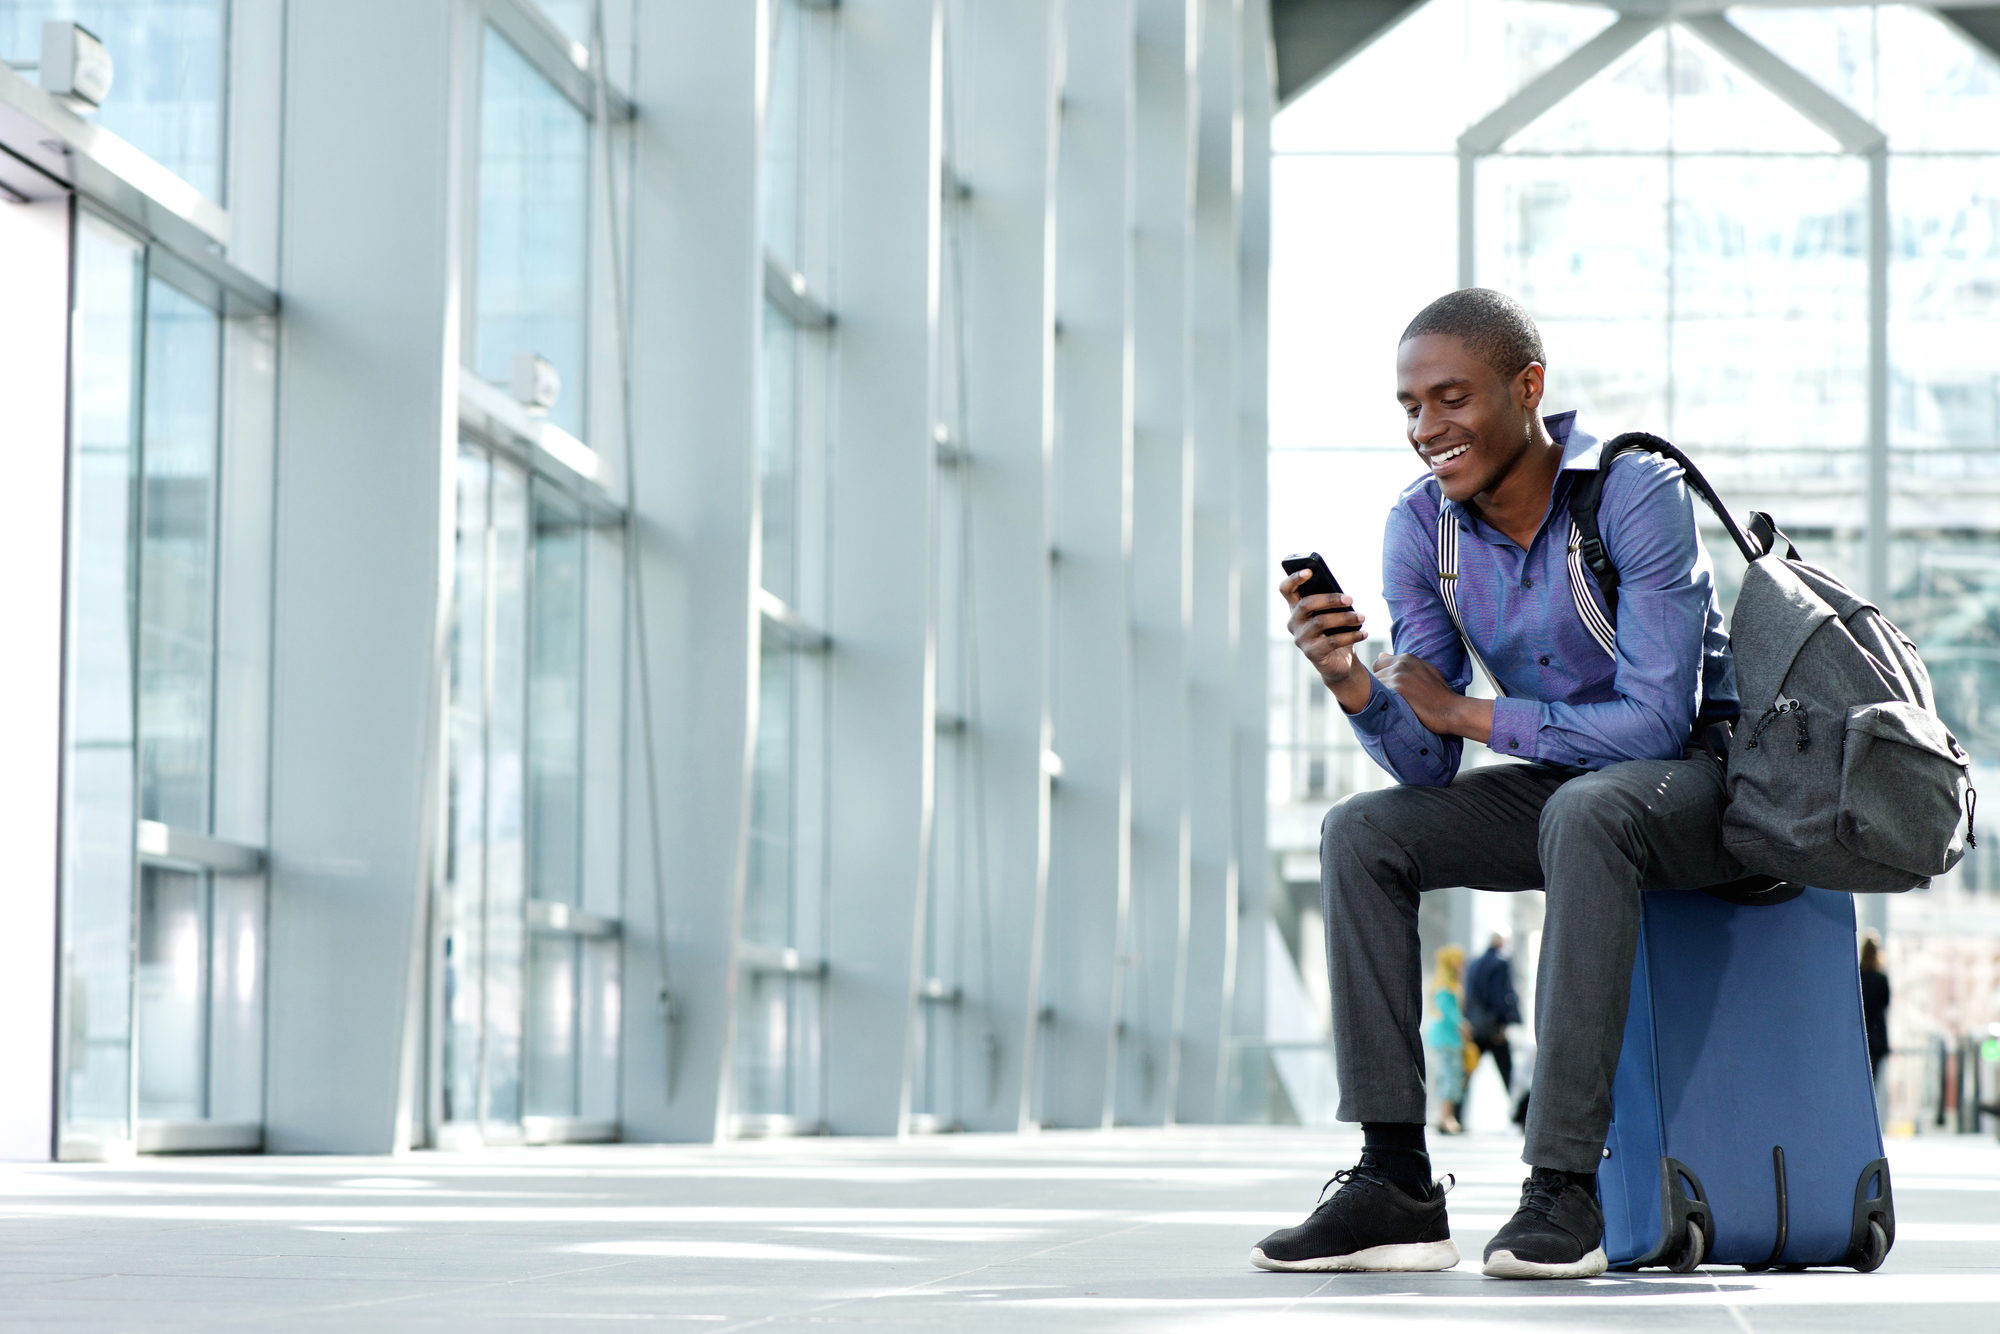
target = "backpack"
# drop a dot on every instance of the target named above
(1840, 772)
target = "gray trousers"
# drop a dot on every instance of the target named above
(1592, 842)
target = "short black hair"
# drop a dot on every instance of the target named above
(1493, 325)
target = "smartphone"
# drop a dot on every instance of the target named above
(1322, 580)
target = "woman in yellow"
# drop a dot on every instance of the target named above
(1444, 1039)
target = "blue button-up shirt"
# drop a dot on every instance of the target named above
(1567, 701)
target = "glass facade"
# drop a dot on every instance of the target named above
(374, 792)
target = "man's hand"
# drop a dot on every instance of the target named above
(1435, 703)
(1326, 629)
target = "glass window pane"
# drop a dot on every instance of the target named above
(177, 557)
(597, 1037)
(236, 999)
(100, 773)
(555, 702)
(505, 916)
(169, 74)
(1939, 92)
(464, 945)
(553, 996)
(767, 908)
(1770, 339)
(1717, 108)
(173, 995)
(778, 460)
(781, 132)
(534, 166)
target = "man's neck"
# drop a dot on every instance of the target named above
(1519, 501)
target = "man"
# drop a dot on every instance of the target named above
(1612, 800)
(1491, 1005)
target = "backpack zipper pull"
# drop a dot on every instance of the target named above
(1971, 805)
(1781, 706)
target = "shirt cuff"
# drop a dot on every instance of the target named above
(1373, 720)
(1517, 723)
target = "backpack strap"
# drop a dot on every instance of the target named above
(1447, 553)
(1586, 548)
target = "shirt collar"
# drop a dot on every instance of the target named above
(1580, 445)
(1581, 449)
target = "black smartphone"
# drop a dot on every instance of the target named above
(1322, 580)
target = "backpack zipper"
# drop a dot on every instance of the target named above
(1771, 715)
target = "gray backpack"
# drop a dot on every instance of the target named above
(1841, 773)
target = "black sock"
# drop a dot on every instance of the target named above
(1580, 1178)
(1396, 1150)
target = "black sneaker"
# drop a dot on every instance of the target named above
(1558, 1232)
(1370, 1224)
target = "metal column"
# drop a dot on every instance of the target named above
(696, 297)
(1163, 145)
(1213, 643)
(1001, 157)
(1090, 866)
(881, 725)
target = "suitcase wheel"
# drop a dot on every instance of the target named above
(1693, 1251)
(1874, 1251)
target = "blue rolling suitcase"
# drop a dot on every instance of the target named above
(1743, 1115)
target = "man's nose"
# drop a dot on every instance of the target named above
(1427, 427)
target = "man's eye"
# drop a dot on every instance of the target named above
(1458, 402)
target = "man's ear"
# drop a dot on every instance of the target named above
(1528, 386)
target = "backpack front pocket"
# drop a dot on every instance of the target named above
(1903, 781)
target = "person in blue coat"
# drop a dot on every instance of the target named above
(1490, 1006)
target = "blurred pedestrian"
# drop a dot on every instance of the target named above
(1445, 1038)
(1490, 1006)
(1875, 1015)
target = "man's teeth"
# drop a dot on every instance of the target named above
(1448, 455)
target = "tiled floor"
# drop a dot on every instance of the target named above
(1125, 1230)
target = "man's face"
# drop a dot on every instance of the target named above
(1466, 423)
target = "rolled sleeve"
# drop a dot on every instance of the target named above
(1517, 727)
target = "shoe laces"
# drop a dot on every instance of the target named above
(1539, 1192)
(1350, 1178)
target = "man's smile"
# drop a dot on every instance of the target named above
(1444, 456)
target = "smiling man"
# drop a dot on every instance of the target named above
(1615, 796)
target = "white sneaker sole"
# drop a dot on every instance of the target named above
(1502, 1264)
(1406, 1257)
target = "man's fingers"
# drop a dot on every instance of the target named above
(1382, 661)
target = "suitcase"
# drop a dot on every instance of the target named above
(1743, 1125)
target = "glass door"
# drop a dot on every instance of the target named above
(526, 965)
(162, 924)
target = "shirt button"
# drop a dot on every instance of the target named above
(1545, 662)
(1513, 745)
(1423, 750)
(1527, 583)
